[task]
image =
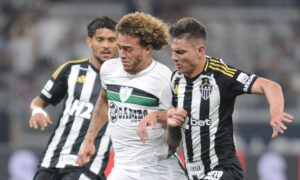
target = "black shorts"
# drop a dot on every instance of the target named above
(69, 173)
(230, 170)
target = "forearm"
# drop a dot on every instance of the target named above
(99, 118)
(173, 136)
(272, 92)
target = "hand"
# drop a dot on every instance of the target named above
(277, 123)
(176, 116)
(43, 119)
(142, 132)
(86, 153)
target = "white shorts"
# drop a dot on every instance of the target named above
(168, 169)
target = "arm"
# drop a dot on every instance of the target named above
(151, 119)
(38, 115)
(173, 132)
(99, 118)
(275, 98)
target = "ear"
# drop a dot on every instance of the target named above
(148, 48)
(201, 50)
(88, 41)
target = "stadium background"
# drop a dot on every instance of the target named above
(259, 36)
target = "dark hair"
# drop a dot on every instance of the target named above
(100, 22)
(150, 30)
(188, 28)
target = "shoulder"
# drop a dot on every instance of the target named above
(218, 66)
(110, 65)
(62, 68)
(162, 70)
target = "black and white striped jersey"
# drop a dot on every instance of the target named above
(79, 84)
(209, 99)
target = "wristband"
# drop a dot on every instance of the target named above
(39, 110)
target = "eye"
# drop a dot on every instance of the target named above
(180, 52)
(99, 39)
(112, 40)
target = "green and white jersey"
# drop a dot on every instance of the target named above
(130, 99)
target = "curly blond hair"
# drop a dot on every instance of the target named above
(150, 30)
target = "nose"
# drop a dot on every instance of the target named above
(174, 57)
(106, 44)
(121, 53)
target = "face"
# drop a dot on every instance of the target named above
(135, 57)
(103, 44)
(187, 56)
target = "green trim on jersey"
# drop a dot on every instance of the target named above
(131, 95)
(144, 101)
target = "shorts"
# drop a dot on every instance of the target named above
(167, 169)
(127, 174)
(232, 170)
(69, 173)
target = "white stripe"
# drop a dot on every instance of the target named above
(195, 134)
(103, 148)
(60, 129)
(85, 95)
(215, 119)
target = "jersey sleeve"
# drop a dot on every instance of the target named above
(57, 86)
(166, 93)
(241, 83)
(103, 72)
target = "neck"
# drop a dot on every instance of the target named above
(198, 68)
(143, 65)
(96, 63)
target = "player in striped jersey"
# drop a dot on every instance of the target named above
(206, 88)
(78, 83)
(137, 86)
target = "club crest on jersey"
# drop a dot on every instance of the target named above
(205, 88)
(125, 93)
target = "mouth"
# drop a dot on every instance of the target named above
(178, 66)
(105, 53)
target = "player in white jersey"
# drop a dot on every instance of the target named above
(135, 86)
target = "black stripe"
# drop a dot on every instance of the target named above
(194, 178)
(187, 103)
(76, 94)
(97, 144)
(136, 92)
(175, 96)
(93, 98)
(204, 134)
(51, 138)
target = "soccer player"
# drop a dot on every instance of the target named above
(78, 83)
(136, 86)
(206, 88)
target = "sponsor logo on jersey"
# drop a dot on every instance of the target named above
(134, 115)
(199, 122)
(247, 84)
(81, 109)
(205, 88)
(81, 79)
(125, 93)
(214, 175)
(242, 78)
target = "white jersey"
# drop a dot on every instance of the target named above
(130, 99)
